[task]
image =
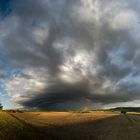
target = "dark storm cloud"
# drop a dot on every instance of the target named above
(5, 8)
(65, 96)
(78, 53)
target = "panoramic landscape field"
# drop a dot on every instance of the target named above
(93, 125)
(69, 69)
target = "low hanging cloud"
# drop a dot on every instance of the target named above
(71, 53)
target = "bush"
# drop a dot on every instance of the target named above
(12, 111)
(123, 112)
(19, 111)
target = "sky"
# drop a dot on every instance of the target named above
(69, 54)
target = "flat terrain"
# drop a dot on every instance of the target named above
(62, 118)
(69, 126)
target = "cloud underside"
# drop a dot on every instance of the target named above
(72, 53)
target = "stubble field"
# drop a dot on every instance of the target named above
(95, 125)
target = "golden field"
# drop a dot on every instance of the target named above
(94, 125)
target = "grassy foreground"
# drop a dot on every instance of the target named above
(69, 126)
(14, 129)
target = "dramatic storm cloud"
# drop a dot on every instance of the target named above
(68, 54)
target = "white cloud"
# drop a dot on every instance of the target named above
(125, 19)
(22, 87)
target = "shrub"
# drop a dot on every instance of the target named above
(123, 112)
(19, 111)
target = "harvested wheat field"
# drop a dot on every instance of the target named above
(96, 125)
(62, 118)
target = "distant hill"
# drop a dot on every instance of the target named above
(127, 109)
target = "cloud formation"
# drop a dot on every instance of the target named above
(71, 53)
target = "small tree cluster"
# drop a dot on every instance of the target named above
(1, 107)
(123, 112)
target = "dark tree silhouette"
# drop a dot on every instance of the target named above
(1, 107)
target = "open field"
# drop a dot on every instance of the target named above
(97, 125)
(62, 118)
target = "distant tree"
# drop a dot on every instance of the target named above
(123, 112)
(1, 107)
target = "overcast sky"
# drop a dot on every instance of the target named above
(69, 54)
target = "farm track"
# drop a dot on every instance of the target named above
(90, 127)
